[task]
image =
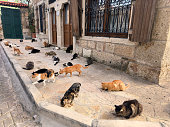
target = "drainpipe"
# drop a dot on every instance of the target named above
(74, 44)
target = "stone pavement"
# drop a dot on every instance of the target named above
(12, 113)
(93, 101)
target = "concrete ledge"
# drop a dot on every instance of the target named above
(64, 115)
(126, 123)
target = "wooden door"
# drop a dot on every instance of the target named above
(54, 27)
(68, 37)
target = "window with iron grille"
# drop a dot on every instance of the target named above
(51, 1)
(42, 18)
(108, 18)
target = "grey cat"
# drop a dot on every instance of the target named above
(129, 109)
(29, 65)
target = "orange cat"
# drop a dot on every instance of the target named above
(6, 43)
(29, 48)
(71, 69)
(17, 51)
(116, 85)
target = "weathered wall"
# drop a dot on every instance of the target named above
(150, 60)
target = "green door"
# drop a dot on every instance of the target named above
(11, 23)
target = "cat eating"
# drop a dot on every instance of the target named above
(129, 109)
(17, 51)
(43, 75)
(29, 65)
(71, 69)
(69, 95)
(56, 60)
(116, 85)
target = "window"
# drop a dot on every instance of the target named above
(42, 18)
(107, 18)
(51, 1)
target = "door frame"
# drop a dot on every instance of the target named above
(52, 26)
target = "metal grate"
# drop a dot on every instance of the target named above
(107, 17)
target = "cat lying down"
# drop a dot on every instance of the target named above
(116, 85)
(69, 95)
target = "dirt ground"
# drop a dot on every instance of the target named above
(92, 100)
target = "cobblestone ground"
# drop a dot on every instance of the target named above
(12, 113)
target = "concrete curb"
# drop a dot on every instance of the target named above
(63, 115)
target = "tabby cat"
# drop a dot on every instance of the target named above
(116, 85)
(69, 95)
(129, 109)
(51, 53)
(17, 51)
(29, 65)
(43, 75)
(71, 69)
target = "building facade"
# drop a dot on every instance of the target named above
(130, 35)
(14, 22)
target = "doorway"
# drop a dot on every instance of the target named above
(54, 27)
(68, 37)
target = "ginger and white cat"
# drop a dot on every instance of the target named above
(43, 75)
(17, 51)
(29, 48)
(71, 69)
(116, 85)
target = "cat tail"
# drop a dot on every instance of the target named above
(85, 67)
(127, 86)
(24, 68)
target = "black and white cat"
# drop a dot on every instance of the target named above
(89, 61)
(75, 56)
(56, 60)
(67, 64)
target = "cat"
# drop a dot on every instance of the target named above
(129, 109)
(21, 40)
(43, 75)
(13, 45)
(74, 56)
(67, 64)
(71, 69)
(33, 40)
(116, 85)
(51, 53)
(34, 51)
(69, 49)
(29, 48)
(46, 44)
(29, 65)
(89, 61)
(69, 95)
(56, 60)
(6, 43)
(17, 51)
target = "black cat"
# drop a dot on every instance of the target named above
(33, 40)
(129, 109)
(75, 56)
(67, 64)
(34, 51)
(29, 65)
(69, 49)
(56, 60)
(89, 61)
(70, 94)
(21, 40)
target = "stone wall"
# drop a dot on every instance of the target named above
(149, 61)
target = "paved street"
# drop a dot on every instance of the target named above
(12, 113)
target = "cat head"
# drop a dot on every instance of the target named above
(63, 101)
(61, 71)
(34, 75)
(120, 110)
